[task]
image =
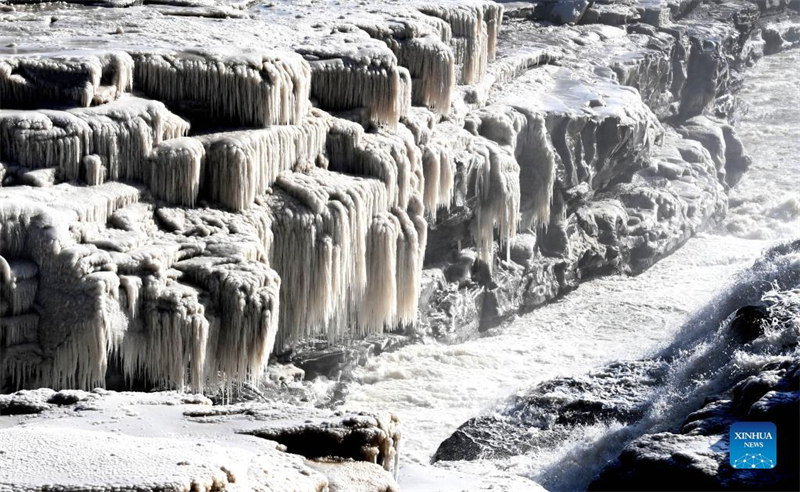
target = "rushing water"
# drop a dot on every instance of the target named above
(434, 388)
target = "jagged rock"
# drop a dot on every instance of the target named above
(675, 459)
(361, 437)
(68, 397)
(650, 439)
(553, 409)
(288, 196)
(698, 452)
(747, 323)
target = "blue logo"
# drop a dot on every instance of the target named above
(753, 445)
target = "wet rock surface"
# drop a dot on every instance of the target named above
(176, 211)
(550, 411)
(698, 454)
(667, 418)
(355, 437)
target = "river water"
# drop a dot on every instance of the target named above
(434, 388)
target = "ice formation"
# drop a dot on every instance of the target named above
(122, 133)
(70, 80)
(474, 27)
(175, 171)
(365, 78)
(174, 211)
(258, 89)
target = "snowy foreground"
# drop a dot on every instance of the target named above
(191, 189)
(138, 441)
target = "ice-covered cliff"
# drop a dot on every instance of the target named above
(190, 188)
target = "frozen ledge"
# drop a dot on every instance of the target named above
(206, 193)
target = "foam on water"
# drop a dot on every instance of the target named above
(434, 387)
(766, 203)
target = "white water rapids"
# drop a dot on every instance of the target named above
(434, 388)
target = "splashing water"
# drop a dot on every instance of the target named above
(766, 203)
(434, 388)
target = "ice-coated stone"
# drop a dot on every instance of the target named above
(191, 188)
(64, 80)
(360, 437)
(289, 195)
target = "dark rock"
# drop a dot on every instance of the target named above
(748, 323)
(658, 462)
(523, 248)
(25, 402)
(773, 39)
(68, 397)
(361, 437)
(484, 437)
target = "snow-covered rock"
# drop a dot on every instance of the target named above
(167, 440)
(219, 182)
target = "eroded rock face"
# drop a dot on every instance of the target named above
(192, 187)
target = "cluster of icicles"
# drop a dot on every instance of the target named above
(227, 246)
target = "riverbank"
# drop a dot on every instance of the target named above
(565, 153)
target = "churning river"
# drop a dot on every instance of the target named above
(434, 387)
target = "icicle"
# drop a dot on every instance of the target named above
(241, 165)
(122, 134)
(439, 171)
(93, 169)
(421, 47)
(379, 306)
(36, 81)
(431, 161)
(496, 186)
(421, 122)
(18, 286)
(132, 286)
(432, 67)
(471, 41)
(411, 249)
(321, 226)
(256, 89)
(493, 16)
(174, 339)
(246, 296)
(38, 139)
(16, 330)
(79, 340)
(537, 161)
(355, 152)
(345, 78)
(5, 271)
(175, 171)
